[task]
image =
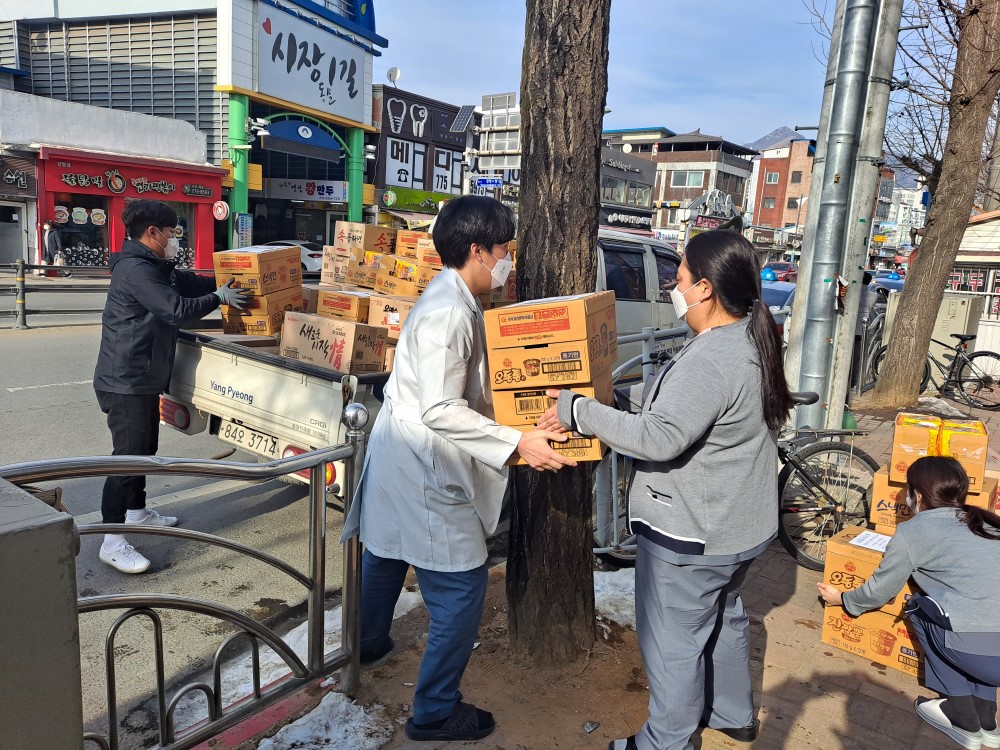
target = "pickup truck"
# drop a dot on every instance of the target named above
(274, 407)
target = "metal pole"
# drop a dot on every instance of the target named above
(239, 201)
(317, 566)
(846, 116)
(355, 418)
(798, 324)
(355, 174)
(20, 310)
(865, 193)
(648, 344)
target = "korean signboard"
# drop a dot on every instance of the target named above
(17, 176)
(77, 175)
(310, 65)
(405, 199)
(616, 216)
(331, 191)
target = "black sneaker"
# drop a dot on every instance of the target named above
(376, 656)
(465, 724)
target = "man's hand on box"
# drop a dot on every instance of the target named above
(550, 419)
(534, 448)
(830, 594)
(230, 295)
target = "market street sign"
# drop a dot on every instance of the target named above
(489, 182)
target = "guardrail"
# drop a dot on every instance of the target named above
(22, 270)
(317, 663)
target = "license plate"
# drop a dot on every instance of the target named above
(256, 442)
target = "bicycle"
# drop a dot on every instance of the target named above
(976, 376)
(824, 486)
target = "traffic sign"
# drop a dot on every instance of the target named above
(489, 182)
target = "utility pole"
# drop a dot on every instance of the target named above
(793, 357)
(860, 215)
(846, 117)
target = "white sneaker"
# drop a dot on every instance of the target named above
(153, 518)
(125, 558)
(930, 711)
(991, 737)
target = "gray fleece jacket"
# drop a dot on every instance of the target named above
(706, 474)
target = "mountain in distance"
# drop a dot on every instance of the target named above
(773, 138)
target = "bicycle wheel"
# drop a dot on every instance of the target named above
(608, 533)
(979, 380)
(876, 364)
(823, 488)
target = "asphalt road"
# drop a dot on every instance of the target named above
(48, 410)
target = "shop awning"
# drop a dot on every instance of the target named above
(412, 219)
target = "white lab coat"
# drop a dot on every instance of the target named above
(435, 474)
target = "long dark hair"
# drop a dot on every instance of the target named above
(728, 260)
(942, 483)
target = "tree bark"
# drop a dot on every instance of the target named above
(976, 82)
(564, 83)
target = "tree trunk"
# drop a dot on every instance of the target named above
(564, 83)
(976, 82)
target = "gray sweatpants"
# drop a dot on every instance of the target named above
(695, 640)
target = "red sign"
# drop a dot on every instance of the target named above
(98, 177)
(709, 222)
(220, 210)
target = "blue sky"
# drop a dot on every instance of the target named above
(736, 68)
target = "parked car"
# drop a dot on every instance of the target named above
(779, 296)
(312, 254)
(783, 270)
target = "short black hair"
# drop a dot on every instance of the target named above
(866, 279)
(468, 220)
(138, 216)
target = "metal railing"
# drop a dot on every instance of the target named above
(317, 664)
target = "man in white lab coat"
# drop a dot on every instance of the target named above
(435, 472)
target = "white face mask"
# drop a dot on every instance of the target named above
(680, 303)
(500, 271)
(911, 503)
(171, 248)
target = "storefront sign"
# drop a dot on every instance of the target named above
(331, 191)
(762, 237)
(220, 210)
(489, 182)
(709, 222)
(405, 163)
(406, 115)
(242, 230)
(17, 176)
(130, 181)
(310, 65)
(403, 199)
(616, 163)
(621, 217)
(201, 190)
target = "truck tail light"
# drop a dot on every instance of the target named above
(292, 450)
(174, 414)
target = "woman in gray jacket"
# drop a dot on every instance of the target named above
(704, 497)
(952, 551)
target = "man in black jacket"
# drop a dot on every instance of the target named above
(148, 299)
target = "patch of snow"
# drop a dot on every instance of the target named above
(614, 596)
(337, 723)
(237, 675)
(941, 406)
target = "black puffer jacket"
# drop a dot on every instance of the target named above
(148, 300)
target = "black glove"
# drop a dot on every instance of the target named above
(232, 296)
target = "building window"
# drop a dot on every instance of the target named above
(687, 179)
(671, 216)
(771, 178)
(796, 177)
(769, 203)
(624, 270)
(640, 195)
(730, 184)
(612, 190)
(792, 203)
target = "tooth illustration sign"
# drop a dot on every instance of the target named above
(418, 115)
(267, 25)
(397, 114)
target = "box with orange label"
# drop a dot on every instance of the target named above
(966, 440)
(888, 500)
(261, 269)
(507, 294)
(333, 344)
(406, 242)
(525, 406)
(352, 234)
(578, 447)
(427, 255)
(849, 565)
(391, 312)
(878, 636)
(363, 273)
(549, 365)
(915, 436)
(390, 285)
(407, 269)
(588, 318)
(265, 322)
(345, 305)
(310, 294)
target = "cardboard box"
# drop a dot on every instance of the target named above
(406, 242)
(427, 255)
(885, 530)
(878, 636)
(588, 318)
(390, 357)
(361, 275)
(848, 566)
(524, 406)
(267, 263)
(578, 447)
(915, 436)
(966, 440)
(987, 499)
(265, 304)
(407, 269)
(888, 500)
(507, 294)
(310, 294)
(336, 261)
(236, 322)
(345, 305)
(349, 234)
(332, 343)
(549, 365)
(388, 284)
(390, 312)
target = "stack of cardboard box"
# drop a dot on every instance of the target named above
(853, 555)
(273, 275)
(356, 254)
(561, 342)
(334, 343)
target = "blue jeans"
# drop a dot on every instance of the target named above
(455, 603)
